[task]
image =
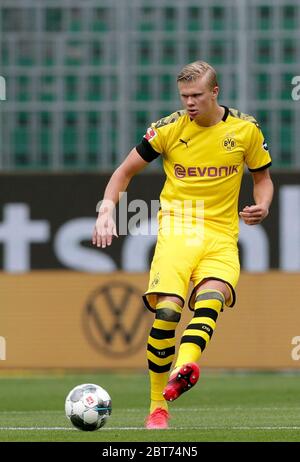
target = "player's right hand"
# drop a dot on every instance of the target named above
(104, 230)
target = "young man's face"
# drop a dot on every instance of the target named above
(197, 96)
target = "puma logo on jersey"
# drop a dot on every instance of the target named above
(184, 142)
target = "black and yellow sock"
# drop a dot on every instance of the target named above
(161, 350)
(208, 305)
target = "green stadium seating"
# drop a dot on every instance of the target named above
(289, 17)
(98, 62)
(218, 18)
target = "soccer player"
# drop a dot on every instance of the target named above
(204, 149)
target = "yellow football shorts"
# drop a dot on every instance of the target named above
(181, 257)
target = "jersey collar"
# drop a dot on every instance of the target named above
(225, 113)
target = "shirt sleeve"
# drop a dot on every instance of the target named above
(151, 146)
(257, 156)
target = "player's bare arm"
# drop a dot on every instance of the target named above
(105, 227)
(263, 194)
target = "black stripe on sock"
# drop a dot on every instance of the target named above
(161, 334)
(202, 326)
(206, 312)
(163, 353)
(166, 314)
(194, 339)
(159, 369)
(210, 296)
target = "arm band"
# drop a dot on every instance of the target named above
(146, 151)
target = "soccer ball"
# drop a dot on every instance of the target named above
(88, 406)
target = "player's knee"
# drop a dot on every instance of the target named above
(167, 314)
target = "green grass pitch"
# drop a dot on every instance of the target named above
(221, 407)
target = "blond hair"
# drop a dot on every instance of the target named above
(196, 70)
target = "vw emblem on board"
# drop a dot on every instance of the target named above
(115, 319)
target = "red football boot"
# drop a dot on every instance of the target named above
(158, 419)
(182, 380)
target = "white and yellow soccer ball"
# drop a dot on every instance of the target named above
(88, 406)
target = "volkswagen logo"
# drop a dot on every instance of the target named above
(115, 319)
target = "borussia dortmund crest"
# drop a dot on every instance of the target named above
(155, 280)
(229, 143)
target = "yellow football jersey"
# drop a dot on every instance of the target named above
(206, 164)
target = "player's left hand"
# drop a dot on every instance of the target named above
(254, 214)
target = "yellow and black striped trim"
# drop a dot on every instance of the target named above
(159, 369)
(191, 302)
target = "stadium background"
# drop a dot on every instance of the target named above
(83, 82)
